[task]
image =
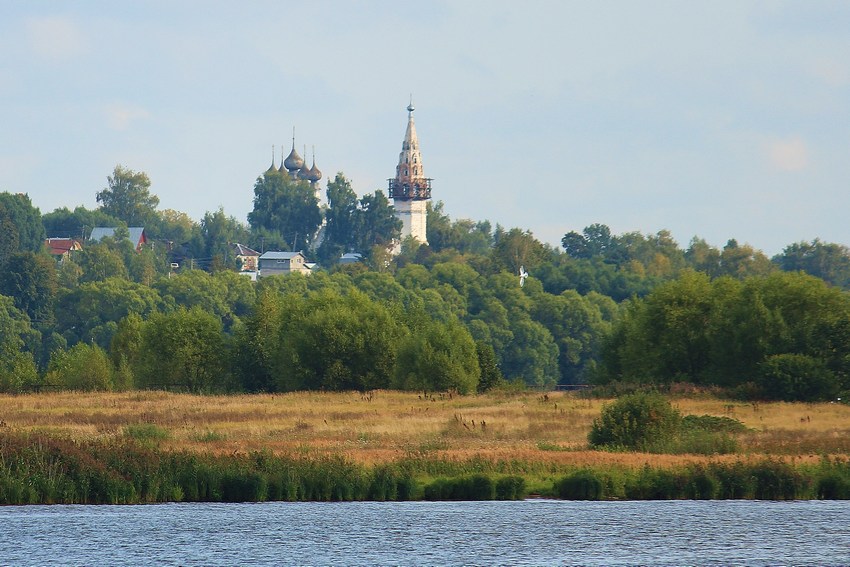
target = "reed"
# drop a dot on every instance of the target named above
(38, 468)
(157, 446)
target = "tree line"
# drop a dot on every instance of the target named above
(449, 315)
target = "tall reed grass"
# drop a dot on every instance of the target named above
(41, 469)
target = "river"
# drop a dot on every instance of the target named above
(531, 532)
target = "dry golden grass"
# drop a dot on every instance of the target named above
(388, 425)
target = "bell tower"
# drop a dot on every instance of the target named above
(410, 189)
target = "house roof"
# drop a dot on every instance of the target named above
(280, 255)
(242, 250)
(350, 258)
(137, 233)
(58, 246)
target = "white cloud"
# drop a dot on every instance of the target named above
(789, 154)
(56, 39)
(120, 116)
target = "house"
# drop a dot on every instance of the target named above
(282, 263)
(247, 258)
(137, 235)
(350, 258)
(61, 248)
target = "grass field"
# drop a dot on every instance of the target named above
(387, 426)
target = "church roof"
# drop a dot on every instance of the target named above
(272, 167)
(293, 161)
(315, 172)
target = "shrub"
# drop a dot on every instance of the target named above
(511, 488)
(581, 485)
(796, 377)
(82, 367)
(639, 421)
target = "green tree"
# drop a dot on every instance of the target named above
(17, 365)
(578, 325)
(517, 248)
(127, 197)
(91, 312)
(828, 261)
(376, 224)
(20, 223)
(214, 240)
(101, 260)
(286, 206)
(227, 295)
(184, 348)
(336, 342)
(797, 378)
(464, 235)
(31, 280)
(341, 216)
(124, 349)
(532, 355)
(664, 337)
(491, 375)
(735, 260)
(64, 223)
(441, 356)
(257, 342)
(82, 367)
(173, 226)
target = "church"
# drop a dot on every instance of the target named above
(296, 167)
(410, 190)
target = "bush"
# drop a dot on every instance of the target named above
(581, 485)
(796, 377)
(82, 367)
(640, 421)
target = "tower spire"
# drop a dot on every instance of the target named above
(272, 167)
(293, 162)
(410, 189)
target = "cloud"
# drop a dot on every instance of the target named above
(789, 154)
(119, 116)
(55, 39)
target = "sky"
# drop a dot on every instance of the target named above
(720, 119)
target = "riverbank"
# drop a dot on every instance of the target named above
(155, 446)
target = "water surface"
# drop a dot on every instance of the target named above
(532, 532)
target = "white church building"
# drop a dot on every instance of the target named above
(410, 189)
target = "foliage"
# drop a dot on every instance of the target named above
(253, 357)
(21, 229)
(440, 356)
(82, 367)
(638, 421)
(102, 260)
(796, 377)
(182, 349)
(91, 312)
(225, 294)
(335, 342)
(64, 223)
(726, 332)
(30, 279)
(127, 197)
(828, 261)
(286, 206)
(213, 241)
(491, 375)
(17, 366)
